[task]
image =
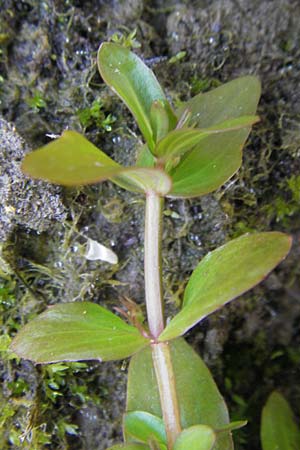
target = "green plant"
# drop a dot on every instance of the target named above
(95, 116)
(278, 427)
(172, 400)
(36, 101)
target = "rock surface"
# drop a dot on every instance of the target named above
(31, 204)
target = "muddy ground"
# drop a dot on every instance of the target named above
(49, 82)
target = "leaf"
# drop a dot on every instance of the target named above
(129, 447)
(142, 426)
(198, 437)
(209, 165)
(161, 119)
(198, 395)
(135, 84)
(179, 141)
(226, 273)
(77, 331)
(72, 160)
(234, 99)
(145, 158)
(217, 157)
(278, 427)
(144, 179)
(232, 426)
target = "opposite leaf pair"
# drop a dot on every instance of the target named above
(88, 331)
(188, 153)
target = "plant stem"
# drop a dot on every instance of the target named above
(152, 264)
(162, 362)
(154, 301)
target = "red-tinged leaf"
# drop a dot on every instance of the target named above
(226, 273)
(77, 331)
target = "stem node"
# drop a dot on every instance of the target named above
(154, 301)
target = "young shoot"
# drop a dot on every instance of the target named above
(172, 400)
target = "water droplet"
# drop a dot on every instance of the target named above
(195, 239)
(116, 139)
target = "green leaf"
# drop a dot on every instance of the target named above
(142, 426)
(226, 273)
(198, 437)
(198, 395)
(232, 426)
(217, 157)
(179, 141)
(234, 99)
(278, 427)
(144, 179)
(209, 165)
(161, 119)
(135, 84)
(72, 160)
(129, 447)
(145, 158)
(77, 331)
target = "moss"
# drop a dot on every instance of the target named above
(36, 101)
(95, 116)
(126, 39)
(202, 84)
